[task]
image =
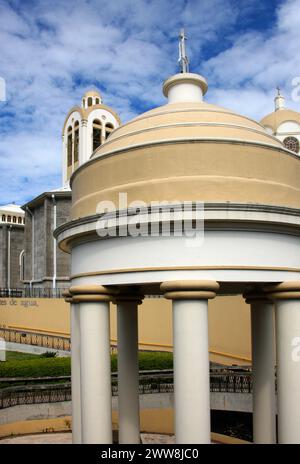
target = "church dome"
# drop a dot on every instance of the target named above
(92, 93)
(91, 98)
(187, 120)
(283, 119)
(186, 117)
(188, 150)
(275, 119)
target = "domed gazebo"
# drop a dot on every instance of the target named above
(236, 189)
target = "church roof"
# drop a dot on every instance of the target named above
(65, 188)
(275, 119)
(12, 208)
(63, 192)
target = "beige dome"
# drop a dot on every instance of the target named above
(187, 120)
(275, 119)
(92, 93)
(188, 151)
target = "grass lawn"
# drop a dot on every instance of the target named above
(16, 356)
(32, 365)
(148, 360)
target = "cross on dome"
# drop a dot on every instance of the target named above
(279, 100)
(183, 59)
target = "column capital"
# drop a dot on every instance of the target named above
(123, 298)
(91, 293)
(289, 290)
(190, 289)
(258, 295)
(67, 296)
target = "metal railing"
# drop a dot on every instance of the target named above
(36, 292)
(35, 394)
(55, 342)
(150, 383)
(232, 382)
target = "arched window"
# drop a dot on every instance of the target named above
(8, 218)
(83, 102)
(69, 144)
(14, 219)
(97, 101)
(108, 129)
(292, 144)
(19, 220)
(97, 134)
(76, 142)
(3, 217)
(90, 101)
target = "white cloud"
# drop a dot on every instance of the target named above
(246, 75)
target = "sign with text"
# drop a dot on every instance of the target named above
(18, 302)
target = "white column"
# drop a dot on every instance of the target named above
(287, 297)
(128, 371)
(95, 370)
(263, 369)
(75, 373)
(191, 358)
(83, 143)
(96, 410)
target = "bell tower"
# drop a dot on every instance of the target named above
(85, 129)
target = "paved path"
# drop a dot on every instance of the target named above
(42, 439)
(66, 438)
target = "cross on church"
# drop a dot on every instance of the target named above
(183, 59)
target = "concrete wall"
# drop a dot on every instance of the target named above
(229, 324)
(157, 413)
(33, 349)
(46, 315)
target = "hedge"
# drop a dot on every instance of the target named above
(39, 367)
(54, 367)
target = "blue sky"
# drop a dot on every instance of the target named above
(53, 51)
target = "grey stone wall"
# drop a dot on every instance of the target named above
(44, 243)
(27, 246)
(3, 257)
(16, 246)
(63, 259)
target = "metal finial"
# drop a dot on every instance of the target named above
(183, 59)
(278, 90)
